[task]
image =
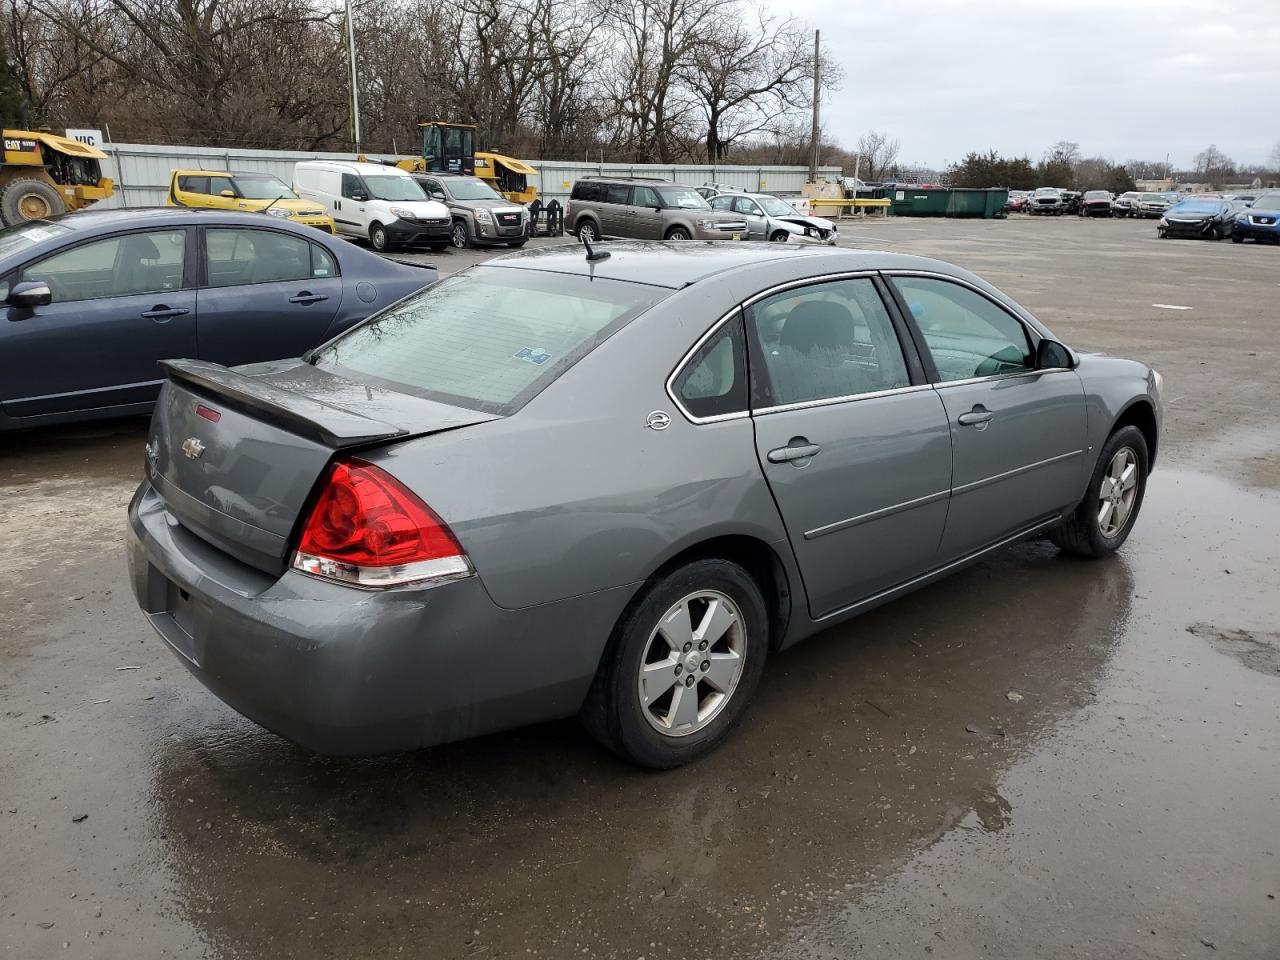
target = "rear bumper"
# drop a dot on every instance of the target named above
(355, 672)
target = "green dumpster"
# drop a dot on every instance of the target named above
(943, 202)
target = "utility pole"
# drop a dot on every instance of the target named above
(355, 97)
(817, 74)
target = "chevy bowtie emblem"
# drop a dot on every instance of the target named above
(193, 448)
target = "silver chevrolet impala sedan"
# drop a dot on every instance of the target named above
(609, 483)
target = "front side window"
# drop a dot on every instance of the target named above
(646, 197)
(745, 205)
(193, 184)
(722, 202)
(242, 256)
(351, 186)
(490, 338)
(714, 381)
(121, 266)
(967, 334)
(219, 184)
(826, 341)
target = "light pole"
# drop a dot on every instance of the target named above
(355, 97)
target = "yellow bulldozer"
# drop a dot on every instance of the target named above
(44, 175)
(451, 148)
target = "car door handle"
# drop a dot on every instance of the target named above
(306, 297)
(798, 449)
(160, 313)
(977, 417)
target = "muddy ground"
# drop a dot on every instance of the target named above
(1037, 758)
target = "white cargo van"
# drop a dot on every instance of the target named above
(382, 204)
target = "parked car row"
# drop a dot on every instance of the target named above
(381, 203)
(640, 208)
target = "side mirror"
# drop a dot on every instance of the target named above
(1051, 355)
(30, 293)
(359, 197)
(229, 194)
(437, 194)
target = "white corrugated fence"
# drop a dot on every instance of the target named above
(141, 171)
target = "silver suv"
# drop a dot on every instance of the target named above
(479, 213)
(642, 209)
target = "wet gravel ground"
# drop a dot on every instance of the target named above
(1037, 758)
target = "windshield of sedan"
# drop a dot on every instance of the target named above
(264, 188)
(681, 197)
(26, 235)
(489, 339)
(394, 188)
(471, 190)
(775, 207)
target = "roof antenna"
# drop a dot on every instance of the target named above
(592, 255)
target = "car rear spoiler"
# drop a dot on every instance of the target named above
(411, 263)
(332, 426)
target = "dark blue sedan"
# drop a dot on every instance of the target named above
(95, 299)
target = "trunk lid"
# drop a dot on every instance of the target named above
(235, 454)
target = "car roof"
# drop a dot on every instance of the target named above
(637, 181)
(354, 166)
(678, 264)
(97, 219)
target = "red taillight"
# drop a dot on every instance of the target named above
(369, 529)
(210, 414)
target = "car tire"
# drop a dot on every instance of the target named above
(1161, 234)
(678, 233)
(1215, 233)
(1090, 531)
(587, 230)
(378, 238)
(1236, 238)
(779, 236)
(460, 236)
(27, 199)
(616, 712)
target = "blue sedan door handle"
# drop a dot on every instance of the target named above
(162, 314)
(798, 449)
(306, 296)
(978, 417)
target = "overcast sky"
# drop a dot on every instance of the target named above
(1124, 78)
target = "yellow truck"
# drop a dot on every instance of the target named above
(450, 148)
(44, 175)
(261, 192)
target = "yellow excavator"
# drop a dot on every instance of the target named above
(451, 148)
(44, 175)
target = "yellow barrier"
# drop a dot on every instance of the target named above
(843, 203)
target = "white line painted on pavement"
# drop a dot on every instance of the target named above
(1169, 306)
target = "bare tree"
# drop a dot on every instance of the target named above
(1213, 166)
(878, 153)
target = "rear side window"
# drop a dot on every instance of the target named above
(714, 381)
(826, 342)
(587, 190)
(489, 339)
(243, 256)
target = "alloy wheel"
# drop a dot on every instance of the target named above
(692, 663)
(459, 236)
(1118, 492)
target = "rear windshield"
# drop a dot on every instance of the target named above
(24, 235)
(489, 339)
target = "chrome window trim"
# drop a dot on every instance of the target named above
(715, 327)
(839, 525)
(975, 484)
(851, 398)
(941, 385)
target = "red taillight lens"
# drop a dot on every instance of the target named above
(370, 529)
